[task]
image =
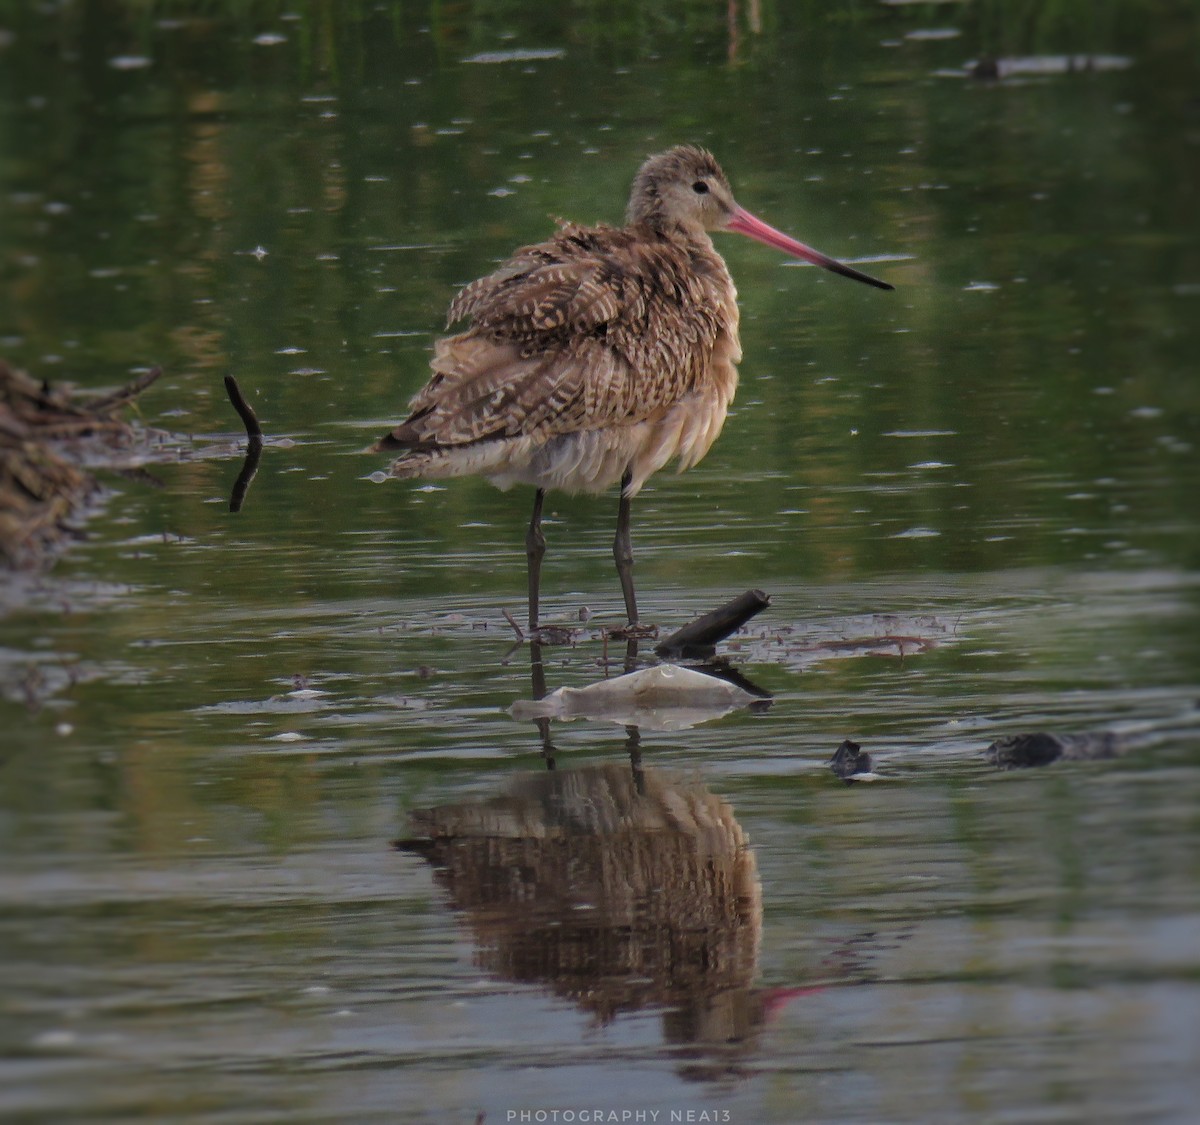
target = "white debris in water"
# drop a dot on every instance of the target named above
(269, 39)
(916, 533)
(665, 697)
(129, 62)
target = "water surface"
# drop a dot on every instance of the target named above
(217, 725)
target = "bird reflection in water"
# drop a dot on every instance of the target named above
(617, 889)
(616, 886)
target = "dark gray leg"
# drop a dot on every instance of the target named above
(535, 548)
(623, 551)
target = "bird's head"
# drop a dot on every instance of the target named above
(684, 188)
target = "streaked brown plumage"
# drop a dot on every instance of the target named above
(595, 357)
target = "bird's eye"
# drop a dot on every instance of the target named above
(700, 187)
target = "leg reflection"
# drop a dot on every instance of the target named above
(537, 673)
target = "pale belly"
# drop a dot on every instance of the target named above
(595, 460)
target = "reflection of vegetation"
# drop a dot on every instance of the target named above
(325, 30)
(1007, 27)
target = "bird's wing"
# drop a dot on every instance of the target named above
(562, 286)
(564, 337)
(486, 388)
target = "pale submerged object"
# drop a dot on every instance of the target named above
(665, 697)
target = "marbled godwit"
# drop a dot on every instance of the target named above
(596, 356)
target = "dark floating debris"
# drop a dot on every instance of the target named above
(49, 439)
(850, 761)
(698, 639)
(1027, 751)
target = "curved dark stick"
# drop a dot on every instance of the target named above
(254, 446)
(249, 420)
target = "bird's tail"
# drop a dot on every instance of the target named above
(428, 460)
(391, 442)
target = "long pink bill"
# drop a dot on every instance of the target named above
(745, 223)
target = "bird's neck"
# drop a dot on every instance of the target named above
(652, 228)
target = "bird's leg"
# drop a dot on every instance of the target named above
(535, 548)
(623, 552)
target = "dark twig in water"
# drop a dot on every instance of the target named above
(126, 394)
(513, 622)
(254, 436)
(698, 639)
(249, 420)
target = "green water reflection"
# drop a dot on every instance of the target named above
(200, 914)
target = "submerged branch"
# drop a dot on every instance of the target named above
(106, 404)
(698, 639)
(249, 467)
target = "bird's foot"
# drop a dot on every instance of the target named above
(542, 634)
(632, 632)
(552, 635)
